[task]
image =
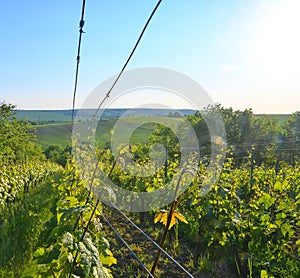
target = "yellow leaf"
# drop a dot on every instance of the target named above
(180, 217)
(172, 222)
(162, 216)
(158, 216)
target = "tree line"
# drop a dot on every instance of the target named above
(270, 139)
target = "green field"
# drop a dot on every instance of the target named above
(44, 116)
(54, 134)
(60, 133)
(53, 127)
(58, 116)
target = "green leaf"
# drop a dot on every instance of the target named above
(134, 149)
(108, 259)
(264, 274)
(267, 200)
(71, 202)
(281, 215)
(286, 228)
(265, 218)
(278, 186)
(58, 217)
(39, 252)
(281, 186)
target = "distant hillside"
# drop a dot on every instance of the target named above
(56, 116)
(64, 116)
(54, 134)
(60, 133)
(54, 127)
(44, 116)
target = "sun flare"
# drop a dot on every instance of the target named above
(278, 44)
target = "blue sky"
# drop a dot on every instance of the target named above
(244, 53)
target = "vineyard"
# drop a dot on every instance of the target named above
(17, 179)
(53, 223)
(58, 229)
(145, 175)
(247, 225)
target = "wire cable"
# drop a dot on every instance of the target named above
(127, 246)
(153, 242)
(121, 238)
(129, 57)
(144, 234)
(81, 24)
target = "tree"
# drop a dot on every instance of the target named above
(18, 141)
(58, 154)
(291, 140)
(245, 132)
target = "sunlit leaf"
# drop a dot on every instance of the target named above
(267, 200)
(158, 216)
(134, 149)
(162, 216)
(180, 217)
(109, 259)
(264, 274)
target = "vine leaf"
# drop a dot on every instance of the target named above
(162, 216)
(108, 258)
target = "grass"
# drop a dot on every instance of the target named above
(104, 130)
(60, 133)
(52, 116)
(55, 134)
(23, 227)
(44, 115)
